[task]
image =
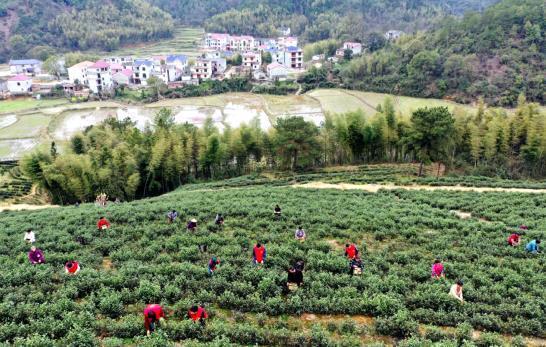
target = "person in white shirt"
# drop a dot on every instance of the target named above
(456, 291)
(29, 236)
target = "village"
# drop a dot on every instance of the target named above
(221, 56)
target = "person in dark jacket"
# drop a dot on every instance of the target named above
(355, 266)
(36, 256)
(192, 225)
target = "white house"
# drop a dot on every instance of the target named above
(78, 72)
(25, 66)
(216, 41)
(240, 43)
(122, 60)
(20, 84)
(219, 65)
(142, 70)
(123, 77)
(178, 60)
(276, 71)
(252, 60)
(277, 56)
(202, 69)
(293, 58)
(355, 47)
(392, 35)
(99, 77)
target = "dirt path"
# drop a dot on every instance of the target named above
(374, 188)
(21, 207)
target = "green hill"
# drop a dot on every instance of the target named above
(496, 55)
(142, 260)
(39, 28)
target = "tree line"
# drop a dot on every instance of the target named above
(117, 158)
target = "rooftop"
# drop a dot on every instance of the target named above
(20, 78)
(83, 64)
(139, 62)
(292, 49)
(101, 64)
(175, 57)
(24, 62)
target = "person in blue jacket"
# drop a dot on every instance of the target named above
(533, 246)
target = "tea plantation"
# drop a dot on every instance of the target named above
(142, 260)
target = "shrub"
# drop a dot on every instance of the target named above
(399, 325)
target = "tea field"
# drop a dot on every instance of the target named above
(142, 260)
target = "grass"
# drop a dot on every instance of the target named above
(27, 126)
(18, 105)
(185, 41)
(339, 101)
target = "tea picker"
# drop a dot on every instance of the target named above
(351, 251)
(300, 234)
(71, 267)
(259, 253)
(277, 211)
(456, 291)
(171, 216)
(36, 256)
(103, 223)
(355, 266)
(514, 239)
(192, 225)
(437, 270)
(153, 316)
(533, 246)
(29, 236)
(198, 313)
(213, 263)
(294, 279)
(219, 220)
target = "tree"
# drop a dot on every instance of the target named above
(53, 66)
(53, 150)
(432, 131)
(156, 85)
(266, 58)
(164, 119)
(296, 142)
(375, 41)
(347, 54)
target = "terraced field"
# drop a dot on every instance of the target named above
(395, 302)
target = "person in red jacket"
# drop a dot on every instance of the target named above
(514, 239)
(153, 315)
(71, 267)
(103, 223)
(198, 313)
(259, 254)
(351, 251)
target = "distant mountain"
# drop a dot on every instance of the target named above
(35, 28)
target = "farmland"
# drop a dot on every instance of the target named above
(42, 121)
(142, 259)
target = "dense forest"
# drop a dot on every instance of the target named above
(496, 55)
(117, 158)
(39, 28)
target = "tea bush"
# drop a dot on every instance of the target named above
(142, 259)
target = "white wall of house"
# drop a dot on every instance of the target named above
(100, 79)
(16, 69)
(78, 72)
(277, 72)
(202, 69)
(18, 87)
(252, 60)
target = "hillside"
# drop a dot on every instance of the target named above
(143, 260)
(315, 20)
(39, 28)
(495, 55)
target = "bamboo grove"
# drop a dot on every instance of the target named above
(117, 158)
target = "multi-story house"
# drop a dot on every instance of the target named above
(240, 43)
(216, 41)
(252, 60)
(142, 70)
(277, 56)
(202, 69)
(293, 58)
(78, 73)
(123, 60)
(25, 66)
(392, 35)
(99, 77)
(218, 65)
